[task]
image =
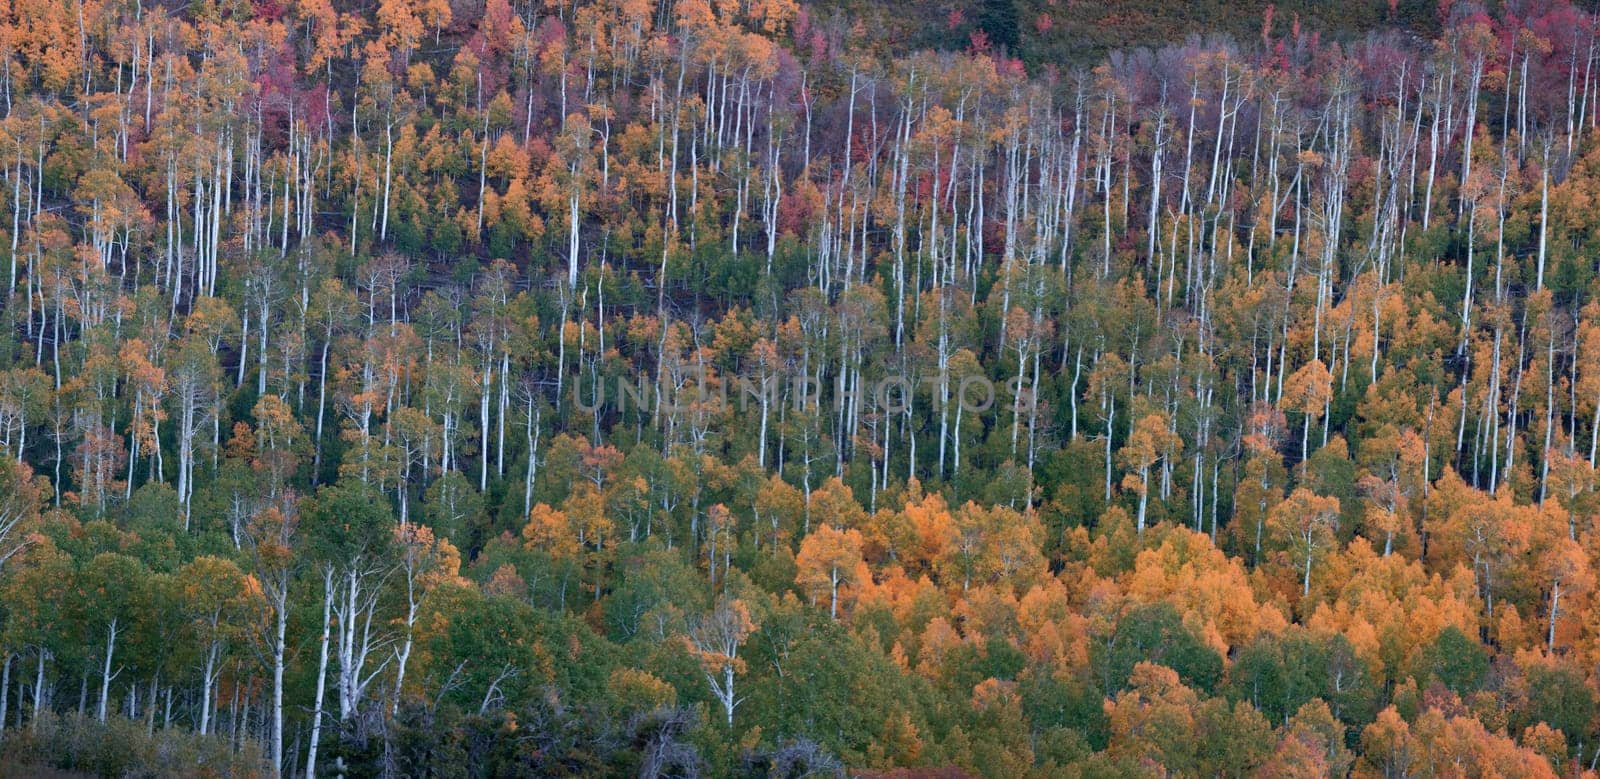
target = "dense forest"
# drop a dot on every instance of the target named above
(697, 387)
(1067, 34)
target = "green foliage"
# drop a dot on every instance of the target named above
(855, 702)
(1557, 697)
(1455, 660)
(1065, 706)
(348, 522)
(455, 510)
(1153, 633)
(1279, 674)
(122, 747)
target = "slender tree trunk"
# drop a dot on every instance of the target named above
(322, 674)
(105, 672)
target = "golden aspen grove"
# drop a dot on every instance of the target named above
(789, 388)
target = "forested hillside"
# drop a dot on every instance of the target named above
(1069, 34)
(463, 388)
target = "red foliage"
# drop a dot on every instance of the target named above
(266, 10)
